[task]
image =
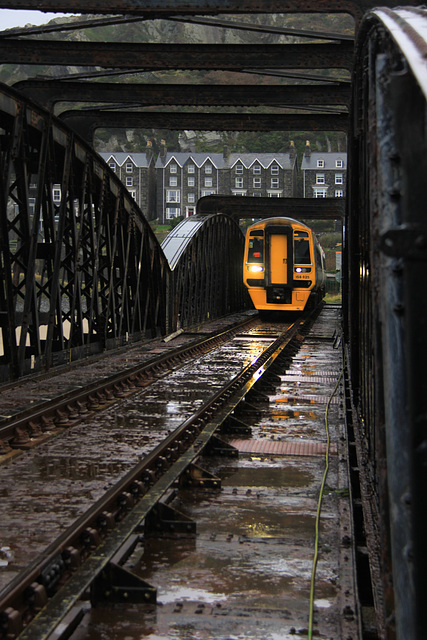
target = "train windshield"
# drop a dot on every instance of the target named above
(301, 248)
(256, 248)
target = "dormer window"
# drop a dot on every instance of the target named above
(208, 168)
(339, 163)
(239, 169)
(173, 168)
(275, 170)
(129, 167)
(321, 163)
(257, 170)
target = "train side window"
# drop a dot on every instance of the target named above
(301, 248)
(256, 249)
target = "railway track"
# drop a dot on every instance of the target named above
(101, 505)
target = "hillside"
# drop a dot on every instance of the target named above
(183, 32)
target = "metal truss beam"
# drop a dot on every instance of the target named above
(152, 57)
(48, 92)
(80, 268)
(299, 208)
(86, 122)
(193, 7)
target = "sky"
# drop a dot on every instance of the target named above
(14, 18)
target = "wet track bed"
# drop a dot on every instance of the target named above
(246, 572)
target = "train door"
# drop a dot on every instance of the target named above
(279, 264)
(279, 258)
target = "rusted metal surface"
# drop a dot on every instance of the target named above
(385, 313)
(151, 57)
(246, 573)
(161, 8)
(48, 92)
(299, 208)
(86, 123)
(33, 410)
(149, 473)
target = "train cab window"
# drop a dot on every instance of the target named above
(301, 248)
(256, 248)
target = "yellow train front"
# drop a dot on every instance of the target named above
(284, 265)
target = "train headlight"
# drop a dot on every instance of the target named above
(256, 268)
(302, 269)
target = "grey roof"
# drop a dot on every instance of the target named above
(199, 159)
(120, 157)
(219, 161)
(330, 159)
(284, 160)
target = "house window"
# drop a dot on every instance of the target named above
(320, 164)
(133, 194)
(172, 212)
(173, 181)
(339, 193)
(274, 194)
(191, 181)
(129, 182)
(190, 211)
(320, 193)
(112, 166)
(239, 183)
(129, 167)
(257, 169)
(191, 197)
(208, 182)
(339, 178)
(208, 193)
(339, 163)
(239, 169)
(257, 183)
(173, 168)
(275, 170)
(320, 178)
(191, 168)
(173, 196)
(208, 168)
(56, 194)
(274, 183)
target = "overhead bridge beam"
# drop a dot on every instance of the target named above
(152, 57)
(162, 8)
(48, 92)
(86, 122)
(299, 208)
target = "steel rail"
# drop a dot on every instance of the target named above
(137, 376)
(144, 485)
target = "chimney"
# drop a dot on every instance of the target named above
(163, 150)
(307, 151)
(292, 150)
(226, 152)
(149, 151)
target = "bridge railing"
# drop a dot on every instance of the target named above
(81, 269)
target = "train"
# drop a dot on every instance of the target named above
(283, 266)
